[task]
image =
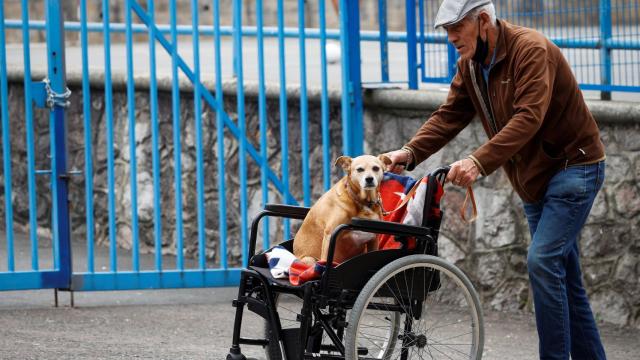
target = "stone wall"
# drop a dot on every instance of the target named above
(492, 250)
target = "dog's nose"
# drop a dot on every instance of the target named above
(369, 179)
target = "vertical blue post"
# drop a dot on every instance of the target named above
(108, 108)
(412, 58)
(28, 107)
(384, 43)
(177, 148)
(324, 99)
(222, 193)
(421, 38)
(88, 152)
(197, 113)
(131, 112)
(352, 126)
(304, 107)
(155, 151)
(237, 46)
(284, 123)
(605, 51)
(6, 144)
(57, 71)
(262, 113)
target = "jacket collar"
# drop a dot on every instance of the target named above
(500, 50)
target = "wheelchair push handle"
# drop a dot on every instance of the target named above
(441, 173)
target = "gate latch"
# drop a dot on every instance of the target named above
(44, 96)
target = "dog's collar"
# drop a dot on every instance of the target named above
(357, 200)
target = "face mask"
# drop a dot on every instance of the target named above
(482, 48)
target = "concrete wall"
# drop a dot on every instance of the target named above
(492, 250)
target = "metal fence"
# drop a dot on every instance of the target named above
(600, 39)
(206, 272)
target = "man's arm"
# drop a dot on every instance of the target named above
(442, 126)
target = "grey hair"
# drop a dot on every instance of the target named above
(489, 9)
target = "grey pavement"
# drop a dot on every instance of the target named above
(197, 324)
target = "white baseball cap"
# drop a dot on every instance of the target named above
(452, 11)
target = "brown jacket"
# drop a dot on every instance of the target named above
(542, 123)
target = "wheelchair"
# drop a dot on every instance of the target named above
(403, 303)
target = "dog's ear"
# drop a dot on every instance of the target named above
(385, 159)
(344, 162)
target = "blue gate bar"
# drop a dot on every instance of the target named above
(131, 112)
(352, 127)
(55, 242)
(88, 152)
(6, 146)
(284, 131)
(168, 279)
(392, 36)
(384, 43)
(346, 95)
(155, 151)
(57, 73)
(605, 53)
(28, 107)
(197, 113)
(421, 24)
(237, 46)
(222, 193)
(412, 57)
(177, 148)
(262, 113)
(324, 100)
(304, 108)
(113, 259)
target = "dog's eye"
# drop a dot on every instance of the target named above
(375, 169)
(360, 169)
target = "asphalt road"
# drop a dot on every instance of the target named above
(197, 324)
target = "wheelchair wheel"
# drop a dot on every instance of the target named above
(416, 307)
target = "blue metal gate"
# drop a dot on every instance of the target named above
(139, 19)
(51, 93)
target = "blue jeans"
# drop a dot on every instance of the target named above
(563, 316)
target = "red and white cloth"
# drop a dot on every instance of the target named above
(393, 191)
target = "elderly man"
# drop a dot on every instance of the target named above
(542, 134)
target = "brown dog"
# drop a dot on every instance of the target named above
(355, 195)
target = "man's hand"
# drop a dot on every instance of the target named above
(399, 160)
(463, 173)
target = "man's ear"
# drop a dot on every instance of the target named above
(344, 162)
(385, 159)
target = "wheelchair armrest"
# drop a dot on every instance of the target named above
(285, 211)
(288, 211)
(388, 227)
